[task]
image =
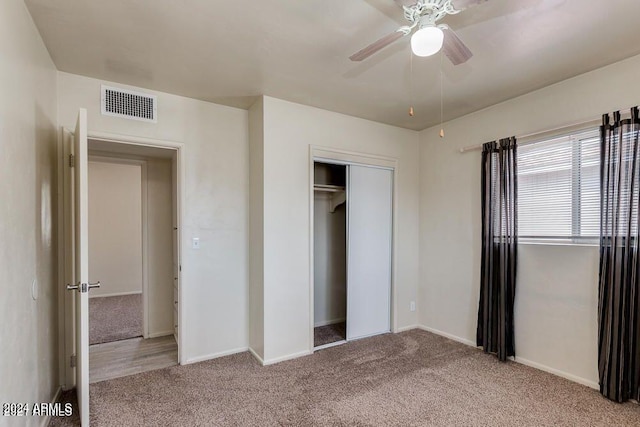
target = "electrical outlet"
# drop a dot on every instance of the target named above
(412, 306)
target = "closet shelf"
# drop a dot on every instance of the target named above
(338, 195)
(328, 188)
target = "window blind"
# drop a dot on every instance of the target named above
(559, 188)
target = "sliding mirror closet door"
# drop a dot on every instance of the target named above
(369, 251)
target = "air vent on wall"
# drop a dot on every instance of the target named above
(129, 104)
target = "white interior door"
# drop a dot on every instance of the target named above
(369, 222)
(80, 186)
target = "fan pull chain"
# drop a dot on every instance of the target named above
(411, 83)
(441, 98)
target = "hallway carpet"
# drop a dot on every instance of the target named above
(413, 378)
(115, 318)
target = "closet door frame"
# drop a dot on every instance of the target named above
(348, 158)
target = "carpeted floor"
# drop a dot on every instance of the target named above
(409, 379)
(330, 333)
(115, 318)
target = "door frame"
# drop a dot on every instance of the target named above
(66, 329)
(347, 158)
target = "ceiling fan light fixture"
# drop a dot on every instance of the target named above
(427, 41)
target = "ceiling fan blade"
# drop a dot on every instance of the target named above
(376, 46)
(457, 52)
(465, 4)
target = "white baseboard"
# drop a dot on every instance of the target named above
(285, 358)
(406, 328)
(557, 372)
(450, 336)
(116, 294)
(520, 360)
(329, 322)
(160, 334)
(331, 344)
(45, 420)
(253, 352)
(215, 355)
(268, 362)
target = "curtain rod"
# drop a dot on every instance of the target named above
(536, 136)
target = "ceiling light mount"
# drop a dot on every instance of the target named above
(436, 9)
(423, 15)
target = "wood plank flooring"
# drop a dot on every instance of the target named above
(127, 357)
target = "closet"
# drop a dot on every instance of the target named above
(352, 252)
(330, 254)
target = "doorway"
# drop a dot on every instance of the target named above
(150, 258)
(117, 193)
(132, 316)
(352, 241)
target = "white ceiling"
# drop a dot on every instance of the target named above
(229, 52)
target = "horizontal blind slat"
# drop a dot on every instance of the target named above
(559, 187)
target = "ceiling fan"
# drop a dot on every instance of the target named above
(430, 36)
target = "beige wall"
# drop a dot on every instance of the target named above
(556, 300)
(159, 247)
(289, 131)
(115, 228)
(29, 334)
(216, 189)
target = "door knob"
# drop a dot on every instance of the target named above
(83, 287)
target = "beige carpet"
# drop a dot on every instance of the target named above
(115, 318)
(408, 379)
(330, 333)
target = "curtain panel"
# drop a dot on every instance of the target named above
(499, 248)
(619, 273)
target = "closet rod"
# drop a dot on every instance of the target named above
(328, 188)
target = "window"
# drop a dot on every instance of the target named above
(559, 188)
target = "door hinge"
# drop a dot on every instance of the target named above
(180, 268)
(72, 160)
(73, 361)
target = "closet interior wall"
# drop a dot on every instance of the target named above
(330, 264)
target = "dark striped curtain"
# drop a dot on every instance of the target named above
(619, 293)
(499, 247)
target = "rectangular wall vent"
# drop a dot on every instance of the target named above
(129, 104)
